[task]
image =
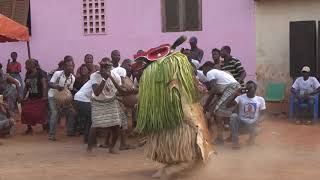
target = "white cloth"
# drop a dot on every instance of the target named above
(109, 91)
(120, 71)
(85, 92)
(249, 108)
(195, 63)
(201, 77)
(135, 83)
(307, 86)
(60, 78)
(222, 77)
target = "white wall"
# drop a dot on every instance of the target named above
(272, 35)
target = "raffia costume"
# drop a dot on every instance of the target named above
(169, 111)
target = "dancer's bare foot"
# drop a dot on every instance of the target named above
(113, 151)
(157, 174)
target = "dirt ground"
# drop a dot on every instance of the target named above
(284, 151)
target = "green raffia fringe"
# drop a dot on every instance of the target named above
(159, 107)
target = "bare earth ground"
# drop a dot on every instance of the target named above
(284, 151)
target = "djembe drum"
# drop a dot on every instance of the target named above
(64, 99)
(128, 101)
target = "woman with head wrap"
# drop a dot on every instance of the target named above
(34, 106)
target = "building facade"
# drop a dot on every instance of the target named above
(273, 19)
(64, 27)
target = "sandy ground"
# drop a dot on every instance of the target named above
(284, 151)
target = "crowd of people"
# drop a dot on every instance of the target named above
(102, 99)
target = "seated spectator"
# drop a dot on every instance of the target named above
(6, 124)
(88, 61)
(304, 88)
(250, 108)
(9, 88)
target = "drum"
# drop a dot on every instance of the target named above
(129, 100)
(63, 98)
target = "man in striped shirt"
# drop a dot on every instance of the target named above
(232, 65)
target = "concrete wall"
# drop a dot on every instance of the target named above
(272, 36)
(132, 25)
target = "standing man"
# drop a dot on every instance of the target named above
(196, 53)
(88, 61)
(232, 65)
(216, 58)
(250, 108)
(226, 87)
(116, 67)
(115, 58)
(61, 80)
(14, 70)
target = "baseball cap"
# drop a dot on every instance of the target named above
(305, 69)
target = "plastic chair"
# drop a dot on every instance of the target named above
(303, 106)
(275, 92)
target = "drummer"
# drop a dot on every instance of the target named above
(59, 81)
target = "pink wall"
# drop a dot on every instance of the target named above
(132, 25)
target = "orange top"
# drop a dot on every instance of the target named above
(14, 67)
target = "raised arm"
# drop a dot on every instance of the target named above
(98, 88)
(212, 93)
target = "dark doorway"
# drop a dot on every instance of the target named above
(303, 47)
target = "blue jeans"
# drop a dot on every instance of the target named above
(239, 127)
(308, 101)
(54, 119)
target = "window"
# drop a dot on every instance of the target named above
(94, 17)
(18, 10)
(181, 15)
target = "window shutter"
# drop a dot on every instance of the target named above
(20, 11)
(193, 15)
(171, 15)
(6, 7)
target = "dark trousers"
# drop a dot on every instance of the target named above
(84, 118)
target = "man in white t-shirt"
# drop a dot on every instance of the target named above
(226, 87)
(61, 80)
(249, 108)
(304, 88)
